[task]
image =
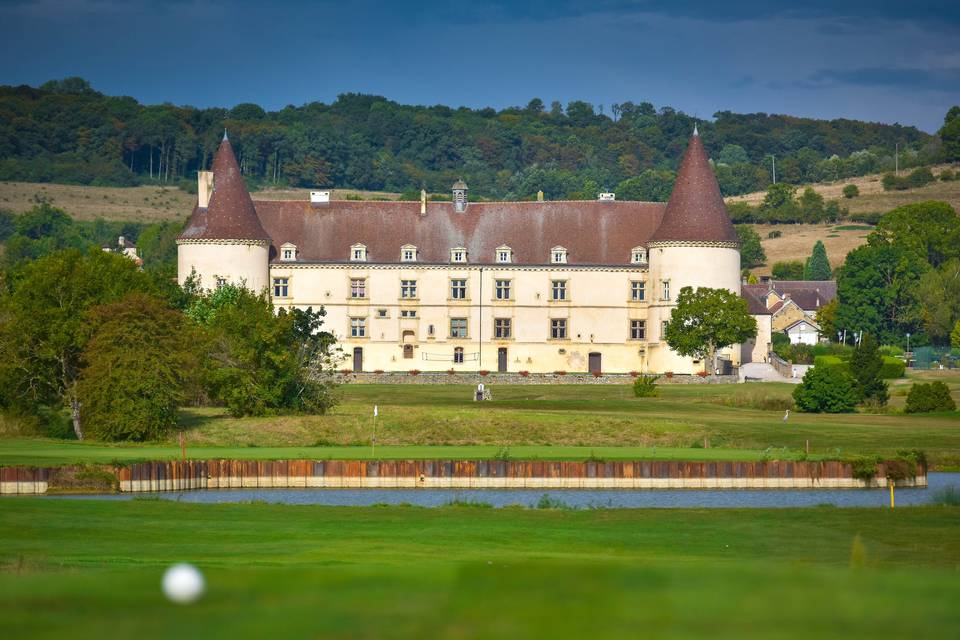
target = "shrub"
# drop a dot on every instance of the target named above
(826, 390)
(789, 270)
(916, 178)
(634, 374)
(668, 374)
(597, 374)
(864, 468)
(451, 371)
(378, 371)
(703, 374)
(867, 217)
(560, 373)
(851, 191)
(774, 234)
(524, 374)
(947, 175)
(414, 372)
(891, 367)
(346, 372)
(645, 386)
(934, 396)
(484, 373)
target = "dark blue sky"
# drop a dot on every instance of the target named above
(866, 60)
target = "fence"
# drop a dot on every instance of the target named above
(465, 474)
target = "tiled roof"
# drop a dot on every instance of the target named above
(230, 214)
(695, 211)
(809, 295)
(594, 233)
(755, 303)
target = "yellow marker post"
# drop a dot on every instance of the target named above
(890, 482)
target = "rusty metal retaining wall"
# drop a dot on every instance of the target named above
(468, 474)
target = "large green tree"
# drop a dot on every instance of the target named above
(706, 320)
(136, 363)
(950, 134)
(44, 332)
(826, 390)
(876, 288)
(751, 251)
(817, 266)
(938, 298)
(931, 230)
(262, 362)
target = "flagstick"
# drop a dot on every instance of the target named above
(373, 443)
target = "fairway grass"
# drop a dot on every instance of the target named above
(547, 422)
(77, 568)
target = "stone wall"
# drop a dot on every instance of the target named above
(493, 379)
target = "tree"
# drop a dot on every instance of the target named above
(924, 398)
(827, 319)
(938, 298)
(751, 251)
(789, 270)
(811, 206)
(851, 191)
(650, 186)
(876, 289)
(955, 336)
(262, 362)
(931, 230)
(44, 331)
(865, 365)
(817, 266)
(826, 390)
(706, 320)
(136, 362)
(732, 154)
(950, 134)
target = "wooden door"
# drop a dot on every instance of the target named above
(358, 359)
(595, 363)
(502, 359)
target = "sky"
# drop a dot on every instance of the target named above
(870, 60)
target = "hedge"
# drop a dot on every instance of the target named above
(892, 367)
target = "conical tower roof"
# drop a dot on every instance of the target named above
(695, 211)
(230, 214)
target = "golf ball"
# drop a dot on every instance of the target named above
(183, 583)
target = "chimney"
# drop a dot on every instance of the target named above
(204, 188)
(121, 243)
(540, 195)
(608, 196)
(459, 196)
(423, 202)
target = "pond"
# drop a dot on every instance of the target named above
(579, 498)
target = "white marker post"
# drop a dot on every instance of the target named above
(373, 442)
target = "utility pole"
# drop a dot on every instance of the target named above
(896, 158)
(773, 158)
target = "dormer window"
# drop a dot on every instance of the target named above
(408, 253)
(288, 252)
(458, 254)
(504, 254)
(638, 255)
(358, 253)
(558, 255)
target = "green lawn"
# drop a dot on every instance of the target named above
(85, 568)
(740, 422)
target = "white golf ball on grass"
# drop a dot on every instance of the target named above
(183, 583)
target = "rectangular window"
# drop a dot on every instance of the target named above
(638, 329)
(663, 329)
(409, 255)
(288, 254)
(358, 288)
(458, 289)
(408, 313)
(458, 355)
(408, 288)
(501, 328)
(503, 255)
(280, 287)
(458, 255)
(458, 327)
(558, 328)
(638, 290)
(502, 290)
(558, 289)
(381, 313)
(559, 256)
(666, 290)
(358, 327)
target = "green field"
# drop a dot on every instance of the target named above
(738, 422)
(85, 568)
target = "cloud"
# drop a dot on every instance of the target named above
(943, 80)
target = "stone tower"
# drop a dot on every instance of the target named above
(695, 245)
(224, 240)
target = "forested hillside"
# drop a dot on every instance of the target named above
(65, 131)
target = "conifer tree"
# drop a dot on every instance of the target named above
(865, 365)
(817, 266)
